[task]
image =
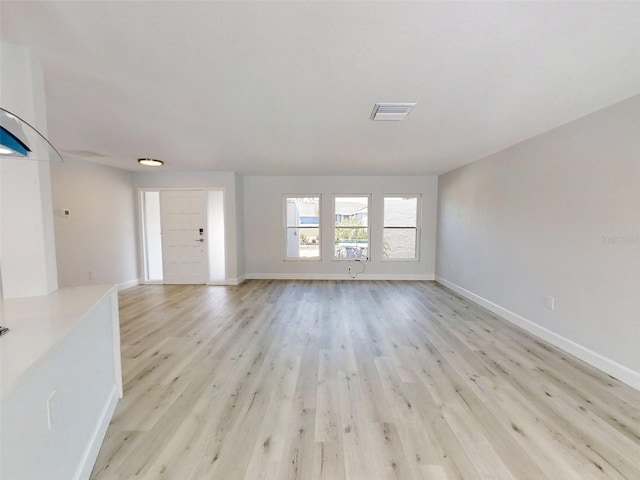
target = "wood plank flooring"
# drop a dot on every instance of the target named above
(354, 380)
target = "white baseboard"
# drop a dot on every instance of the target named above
(131, 283)
(611, 367)
(229, 281)
(338, 276)
(93, 448)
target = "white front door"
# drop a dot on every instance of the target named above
(183, 223)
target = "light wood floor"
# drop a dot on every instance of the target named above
(354, 380)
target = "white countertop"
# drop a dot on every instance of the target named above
(37, 324)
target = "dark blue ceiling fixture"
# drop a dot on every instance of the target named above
(19, 139)
(10, 141)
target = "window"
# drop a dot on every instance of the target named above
(351, 217)
(400, 235)
(152, 235)
(302, 227)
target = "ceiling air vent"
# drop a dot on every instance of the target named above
(391, 111)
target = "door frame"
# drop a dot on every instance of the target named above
(141, 233)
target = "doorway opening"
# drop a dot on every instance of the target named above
(183, 236)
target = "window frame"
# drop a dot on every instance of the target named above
(418, 226)
(367, 258)
(286, 227)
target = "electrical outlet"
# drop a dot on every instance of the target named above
(550, 302)
(92, 275)
(48, 407)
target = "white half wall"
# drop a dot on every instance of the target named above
(100, 234)
(63, 358)
(26, 225)
(265, 237)
(555, 215)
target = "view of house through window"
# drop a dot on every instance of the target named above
(400, 236)
(351, 227)
(302, 227)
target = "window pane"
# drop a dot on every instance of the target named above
(152, 235)
(400, 211)
(351, 243)
(303, 242)
(400, 242)
(351, 232)
(352, 211)
(302, 227)
(303, 211)
(215, 235)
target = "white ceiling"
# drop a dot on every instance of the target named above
(288, 88)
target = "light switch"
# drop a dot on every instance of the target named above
(550, 302)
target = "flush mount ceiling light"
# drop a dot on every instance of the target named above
(150, 162)
(391, 111)
(11, 144)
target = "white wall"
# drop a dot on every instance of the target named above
(100, 234)
(26, 224)
(264, 231)
(559, 215)
(1, 292)
(215, 180)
